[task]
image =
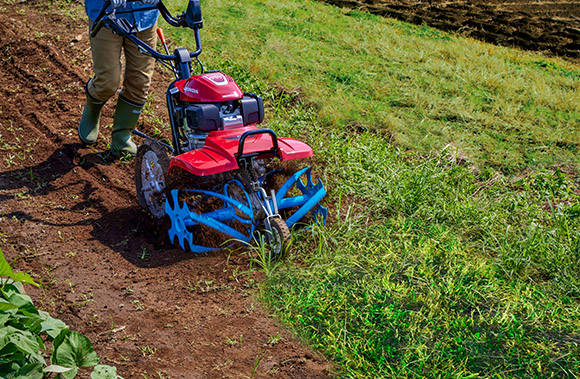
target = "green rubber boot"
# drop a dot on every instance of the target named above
(125, 119)
(89, 125)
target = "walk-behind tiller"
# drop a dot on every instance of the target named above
(220, 176)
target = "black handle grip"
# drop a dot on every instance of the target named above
(249, 133)
(191, 19)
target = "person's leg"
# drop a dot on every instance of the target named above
(139, 70)
(106, 52)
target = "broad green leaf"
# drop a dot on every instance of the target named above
(25, 342)
(7, 370)
(11, 353)
(30, 371)
(37, 358)
(105, 372)
(24, 278)
(83, 347)
(4, 334)
(4, 317)
(72, 349)
(56, 368)
(6, 305)
(59, 339)
(21, 300)
(71, 373)
(43, 315)
(9, 286)
(32, 323)
(12, 298)
(53, 326)
(23, 318)
(31, 312)
(6, 270)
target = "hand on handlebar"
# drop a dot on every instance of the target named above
(118, 3)
(122, 3)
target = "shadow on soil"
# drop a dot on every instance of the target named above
(126, 230)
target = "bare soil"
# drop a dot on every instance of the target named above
(70, 215)
(548, 26)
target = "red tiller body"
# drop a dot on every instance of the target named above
(209, 88)
(221, 146)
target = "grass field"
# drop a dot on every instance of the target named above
(424, 88)
(453, 248)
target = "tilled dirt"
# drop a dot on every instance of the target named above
(70, 215)
(549, 26)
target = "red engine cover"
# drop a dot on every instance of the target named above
(209, 88)
(221, 146)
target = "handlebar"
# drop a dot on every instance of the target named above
(191, 18)
(274, 150)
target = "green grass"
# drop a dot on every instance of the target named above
(425, 88)
(453, 245)
(435, 273)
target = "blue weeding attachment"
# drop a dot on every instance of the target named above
(220, 219)
(308, 201)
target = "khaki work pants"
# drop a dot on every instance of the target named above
(106, 49)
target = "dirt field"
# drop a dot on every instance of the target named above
(549, 26)
(70, 214)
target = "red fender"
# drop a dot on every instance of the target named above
(218, 154)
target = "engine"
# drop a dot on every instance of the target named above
(213, 101)
(208, 117)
